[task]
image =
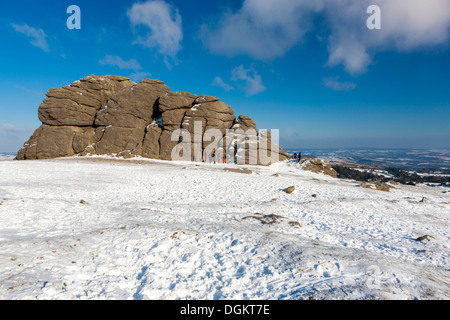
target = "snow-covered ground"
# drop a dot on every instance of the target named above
(124, 229)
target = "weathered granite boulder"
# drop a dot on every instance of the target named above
(111, 115)
(245, 123)
(132, 107)
(57, 141)
(318, 166)
(78, 104)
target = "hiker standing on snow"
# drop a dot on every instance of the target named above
(299, 157)
(230, 158)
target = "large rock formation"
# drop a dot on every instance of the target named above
(111, 115)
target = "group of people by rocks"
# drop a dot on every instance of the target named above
(297, 157)
(214, 158)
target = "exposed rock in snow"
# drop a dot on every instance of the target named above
(123, 114)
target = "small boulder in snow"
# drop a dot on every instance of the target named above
(289, 190)
(425, 237)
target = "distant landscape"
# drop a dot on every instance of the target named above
(414, 159)
(406, 166)
(7, 156)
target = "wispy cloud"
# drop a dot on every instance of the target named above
(32, 92)
(336, 85)
(161, 26)
(132, 64)
(218, 82)
(13, 136)
(37, 36)
(117, 61)
(139, 75)
(251, 79)
(12, 130)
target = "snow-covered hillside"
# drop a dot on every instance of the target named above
(6, 156)
(101, 228)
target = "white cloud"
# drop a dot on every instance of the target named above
(413, 23)
(13, 136)
(162, 24)
(336, 85)
(37, 36)
(267, 29)
(139, 75)
(349, 52)
(262, 29)
(218, 82)
(116, 61)
(406, 25)
(8, 127)
(252, 80)
(32, 92)
(131, 64)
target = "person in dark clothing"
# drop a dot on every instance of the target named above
(299, 157)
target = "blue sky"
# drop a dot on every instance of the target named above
(311, 69)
